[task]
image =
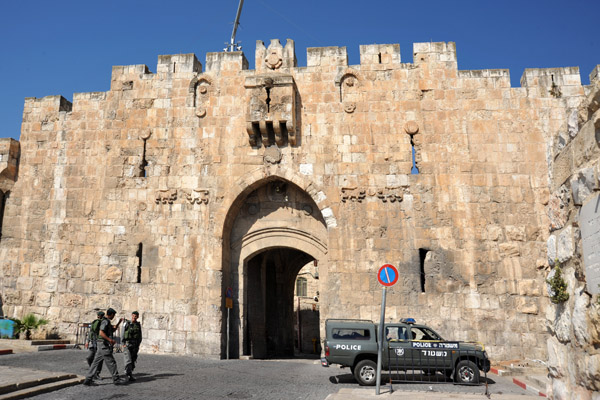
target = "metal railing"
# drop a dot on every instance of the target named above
(435, 362)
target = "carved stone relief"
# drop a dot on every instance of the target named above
(167, 196)
(355, 194)
(197, 196)
(194, 196)
(200, 88)
(348, 81)
(272, 155)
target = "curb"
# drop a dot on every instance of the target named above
(499, 372)
(56, 347)
(529, 388)
(6, 351)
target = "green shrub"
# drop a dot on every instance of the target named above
(558, 285)
(29, 323)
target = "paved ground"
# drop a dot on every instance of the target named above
(176, 377)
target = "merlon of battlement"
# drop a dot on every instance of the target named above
(226, 61)
(326, 56)
(48, 104)
(434, 52)
(178, 63)
(380, 54)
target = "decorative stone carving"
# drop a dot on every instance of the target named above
(348, 80)
(145, 135)
(275, 57)
(353, 194)
(197, 196)
(390, 194)
(349, 107)
(271, 109)
(272, 155)
(200, 88)
(411, 127)
(167, 196)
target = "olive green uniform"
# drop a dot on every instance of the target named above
(93, 344)
(132, 339)
(104, 353)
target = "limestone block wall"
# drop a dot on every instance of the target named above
(127, 198)
(574, 244)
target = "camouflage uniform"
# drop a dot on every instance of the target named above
(132, 339)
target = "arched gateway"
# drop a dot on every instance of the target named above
(273, 229)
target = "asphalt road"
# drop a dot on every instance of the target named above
(178, 377)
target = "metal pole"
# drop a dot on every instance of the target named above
(380, 341)
(228, 333)
(235, 25)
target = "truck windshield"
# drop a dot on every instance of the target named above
(422, 333)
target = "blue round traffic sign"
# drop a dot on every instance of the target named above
(388, 275)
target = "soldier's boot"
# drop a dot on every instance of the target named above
(130, 377)
(89, 382)
(118, 381)
(97, 376)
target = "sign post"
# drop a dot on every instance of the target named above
(387, 276)
(229, 306)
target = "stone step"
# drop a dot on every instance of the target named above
(40, 388)
(40, 380)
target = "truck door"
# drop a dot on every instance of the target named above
(429, 349)
(400, 352)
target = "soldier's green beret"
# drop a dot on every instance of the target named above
(136, 313)
(100, 313)
(111, 311)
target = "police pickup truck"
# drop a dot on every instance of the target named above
(407, 346)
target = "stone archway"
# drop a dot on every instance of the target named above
(276, 229)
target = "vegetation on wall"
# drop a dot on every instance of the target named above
(558, 286)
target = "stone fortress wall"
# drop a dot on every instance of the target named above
(157, 172)
(574, 245)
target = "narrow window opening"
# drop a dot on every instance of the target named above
(301, 289)
(268, 100)
(422, 256)
(3, 197)
(174, 66)
(379, 57)
(144, 162)
(138, 254)
(415, 169)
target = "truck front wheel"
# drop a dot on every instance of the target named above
(466, 372)
(365, 373)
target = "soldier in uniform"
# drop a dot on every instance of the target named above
(105, 350)
(132, 339)
(92, 343)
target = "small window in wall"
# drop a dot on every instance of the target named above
(139, 266)
(422, 256)
(414, 170)
(3, 197)
(144, 162)
(301, 287)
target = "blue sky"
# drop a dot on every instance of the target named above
(66, 47)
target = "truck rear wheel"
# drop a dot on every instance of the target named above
(365, 373)
(466, 372)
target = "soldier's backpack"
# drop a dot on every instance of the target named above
(126, 332)
(95, 329)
